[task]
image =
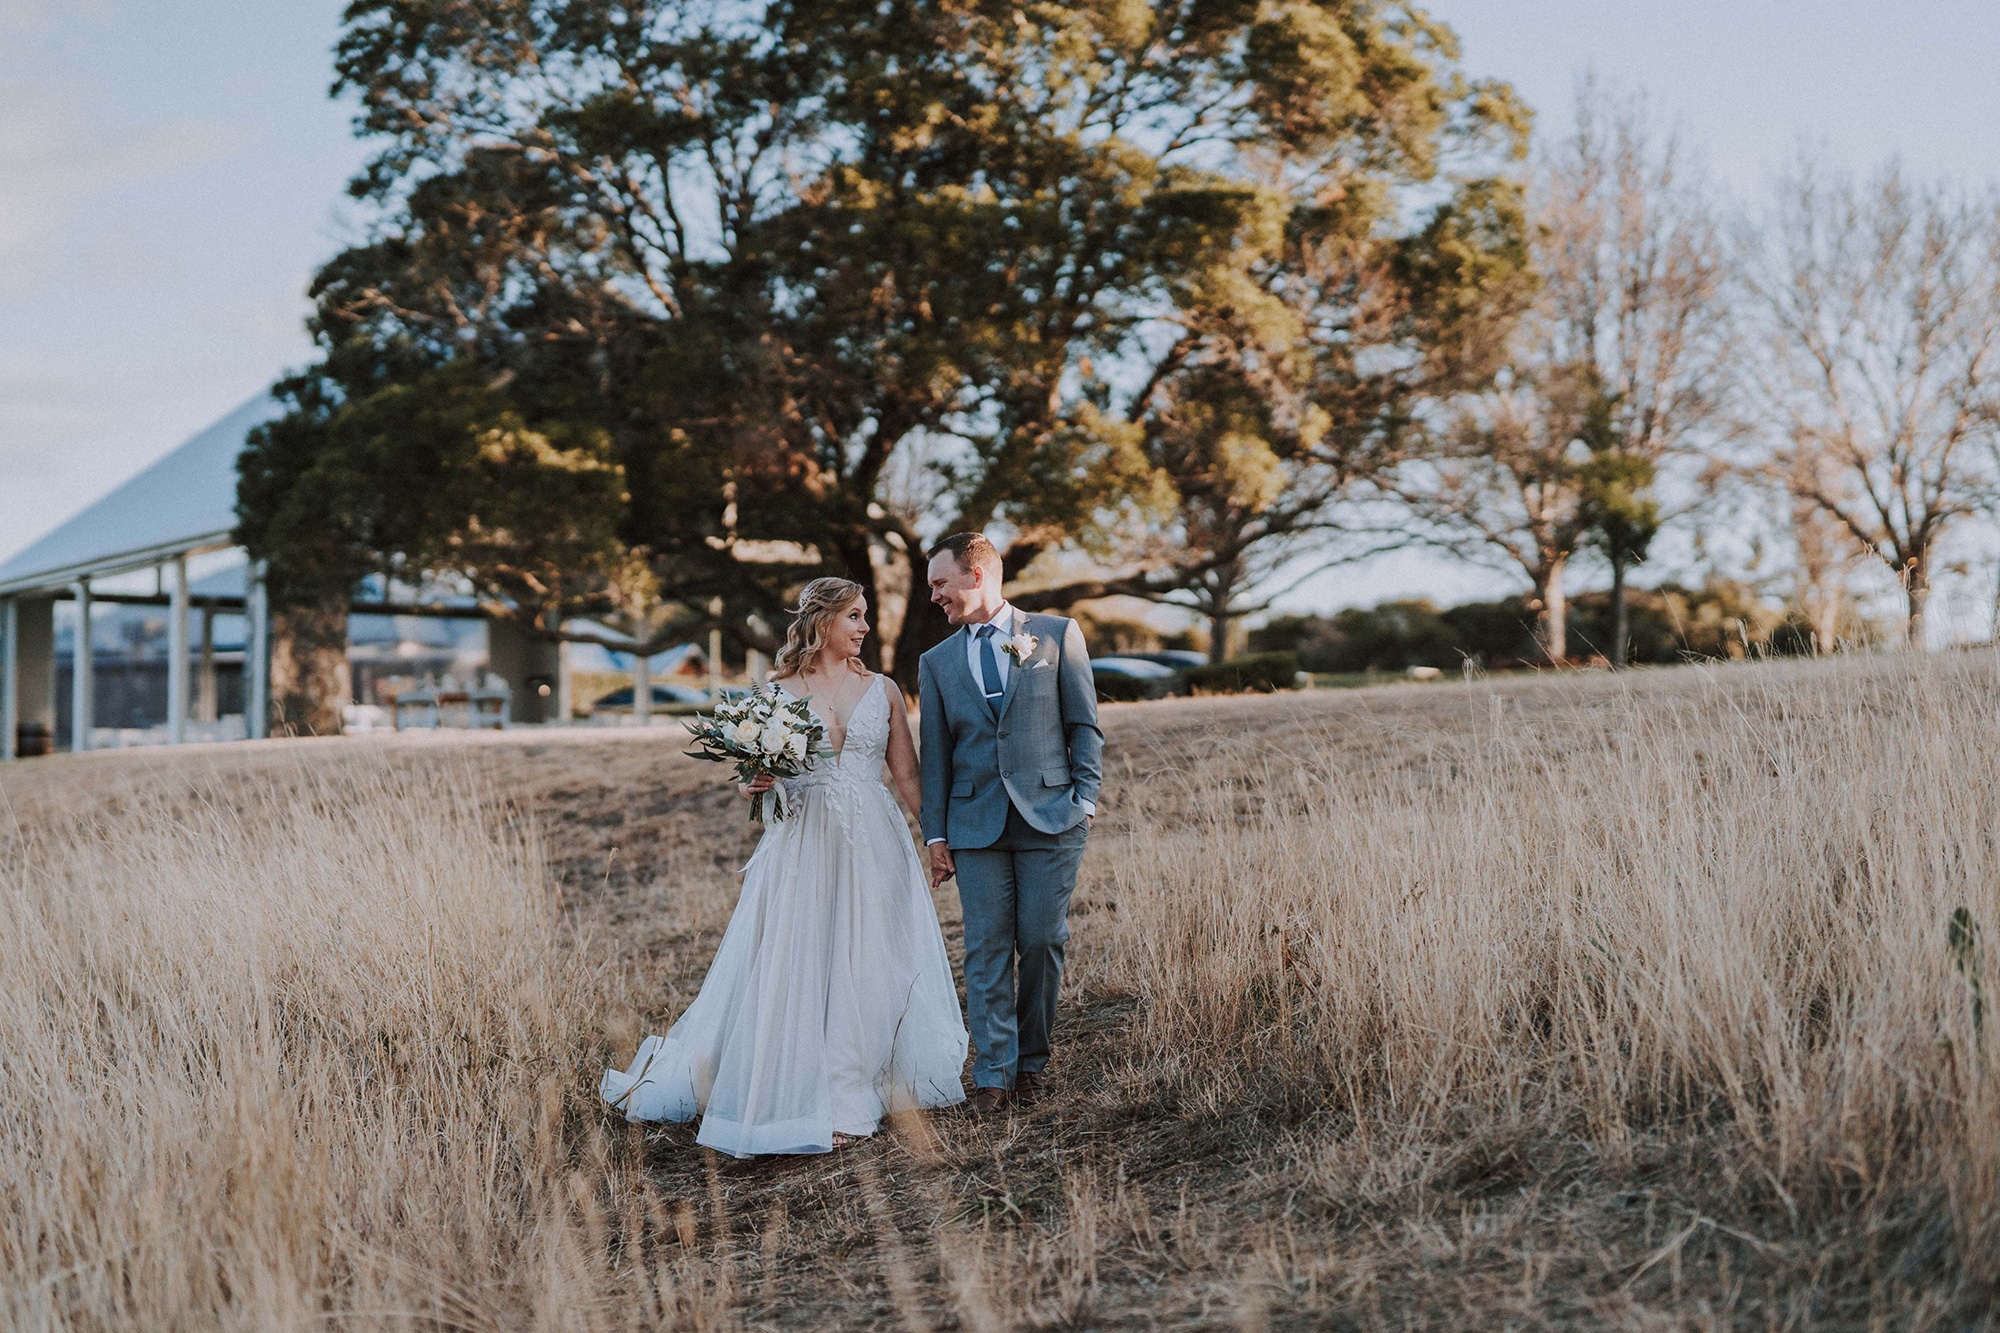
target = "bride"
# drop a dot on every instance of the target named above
(830, 1001)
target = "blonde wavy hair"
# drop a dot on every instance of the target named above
(819, 602)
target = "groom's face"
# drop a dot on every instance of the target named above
(959, 591)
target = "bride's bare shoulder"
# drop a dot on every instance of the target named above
(895, 693)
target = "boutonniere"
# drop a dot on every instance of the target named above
(1021, 647)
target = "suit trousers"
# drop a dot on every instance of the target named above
(1015, 897)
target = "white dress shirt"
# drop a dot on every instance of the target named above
(1003, 620)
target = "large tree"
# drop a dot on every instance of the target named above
(1308, 375)
(1630, 337)
(1503, 484)
(671, 301)
(1877, 306)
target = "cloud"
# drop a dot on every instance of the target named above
(59, 154)
(31, 18)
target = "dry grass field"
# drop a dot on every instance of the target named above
(1581, 1003)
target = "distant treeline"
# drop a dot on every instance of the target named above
(1670, 623)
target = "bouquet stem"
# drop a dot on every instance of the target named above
(757, 805)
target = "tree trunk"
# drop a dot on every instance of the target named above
(1221, 612)
(891, 591)
(1621, 624)
(1555, 611)
(1917, 589)
(642, 687)
(1824, 609)
(309, 678)
(858, 566)
(924, 626)
(1218, 636)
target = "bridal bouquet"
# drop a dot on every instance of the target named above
(761, 733)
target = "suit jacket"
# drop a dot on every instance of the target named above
(1040, 750)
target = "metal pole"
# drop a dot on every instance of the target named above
(257, 656)
(82, 675)
(10, 679)
(177, 655)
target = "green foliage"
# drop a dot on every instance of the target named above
(1618, 512)
(1304, 355)
(1668, 624)
(1395, 636)
(668, 284)
(1258, 673)
(1130, 689)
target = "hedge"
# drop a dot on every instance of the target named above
(1259, 673)
(1129, 689)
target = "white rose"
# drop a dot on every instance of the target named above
(746, 734)
(772, 741)
(1021, 645)
(795, 747)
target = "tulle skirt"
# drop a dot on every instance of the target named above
(830, 1001)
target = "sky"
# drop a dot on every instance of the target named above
(171, 175)
(1748, 84)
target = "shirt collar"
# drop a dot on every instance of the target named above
(1003, 619)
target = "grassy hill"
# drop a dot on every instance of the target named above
(1582, 1002)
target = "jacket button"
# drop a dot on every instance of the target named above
(1003, 736)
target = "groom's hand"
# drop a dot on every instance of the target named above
(942, 866)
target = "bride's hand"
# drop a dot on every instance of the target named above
(763, 783)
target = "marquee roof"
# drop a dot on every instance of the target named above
(184, 502)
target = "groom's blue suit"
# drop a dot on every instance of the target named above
(1007, 784)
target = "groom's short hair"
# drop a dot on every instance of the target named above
(970, 550)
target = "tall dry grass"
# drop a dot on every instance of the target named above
(1583, 1002)
(1710, 910)
(303, 1049)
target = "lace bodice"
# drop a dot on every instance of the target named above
(867, 744)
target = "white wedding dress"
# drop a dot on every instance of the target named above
(830, 1001)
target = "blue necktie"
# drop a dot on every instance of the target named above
(989, 666)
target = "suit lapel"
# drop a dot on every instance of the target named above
(1014, 672)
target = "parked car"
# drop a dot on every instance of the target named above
(1180, 659)
(1128, 664)
(1124, 679)
(665, 695)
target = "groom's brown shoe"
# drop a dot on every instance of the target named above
(1030, 1088)
(988, 1101)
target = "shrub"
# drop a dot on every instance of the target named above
(1128, 689)
(1670, 623)
(1260, 673)
(1395, 636)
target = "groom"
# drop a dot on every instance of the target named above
(1011, 770)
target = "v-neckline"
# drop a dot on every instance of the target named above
(807, 700)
